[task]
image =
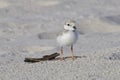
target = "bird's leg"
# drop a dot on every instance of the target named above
(72, 53)
(61, 53)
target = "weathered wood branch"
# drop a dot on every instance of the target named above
(44, 58)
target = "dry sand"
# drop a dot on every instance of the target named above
(28, 28)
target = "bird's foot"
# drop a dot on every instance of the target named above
(73, 58)
(62, 58)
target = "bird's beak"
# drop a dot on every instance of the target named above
(74, 27)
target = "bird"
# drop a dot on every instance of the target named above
(68, 37)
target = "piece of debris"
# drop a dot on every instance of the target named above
(115, 56)
(46, 57)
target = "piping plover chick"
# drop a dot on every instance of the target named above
(68, 37)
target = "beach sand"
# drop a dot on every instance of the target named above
(28, 28)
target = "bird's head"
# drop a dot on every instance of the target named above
(70, 25)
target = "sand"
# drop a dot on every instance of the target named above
(28, 28)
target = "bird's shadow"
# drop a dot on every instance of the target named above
(68, 58)
(115, 19)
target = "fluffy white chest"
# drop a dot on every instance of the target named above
(68, 38)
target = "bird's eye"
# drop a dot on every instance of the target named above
(68, 24)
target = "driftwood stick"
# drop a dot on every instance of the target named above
(50, 57)
(46, 57)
